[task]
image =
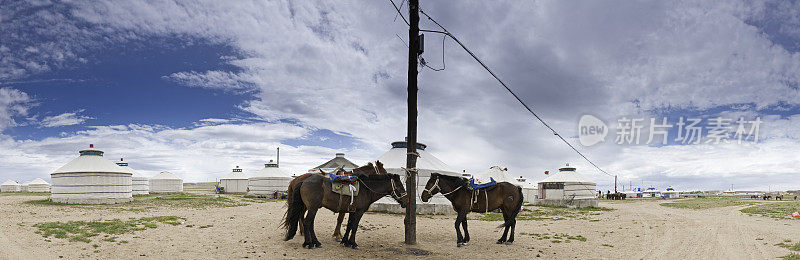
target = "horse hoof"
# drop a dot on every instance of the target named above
(338, 240)
(500, 241)
(458, 244)
(355, 247)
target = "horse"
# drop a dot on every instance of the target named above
(504, 196)
(370, 168)
(316, 192)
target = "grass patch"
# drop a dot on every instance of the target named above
(206, 226)
(566, 237)
(607, 245)
(777, 210)
(707, 203)
(81, 231)
(146, 202)
(259, 200)
(791, 256)
(788, 245)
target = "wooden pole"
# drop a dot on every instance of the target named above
(411, 157)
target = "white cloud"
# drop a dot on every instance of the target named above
(340, 67)
(65, 119)
(12, 103)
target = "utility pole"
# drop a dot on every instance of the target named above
(411, 157)
(615, 183)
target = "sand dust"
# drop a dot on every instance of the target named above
(635, 230)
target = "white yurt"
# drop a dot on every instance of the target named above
(10, 186)
(165, 182)
(38, 185)
(268, 180)
(651, 193)
(567, 187)
(395, 159)
(496, 173)
(635, 193)
(24, 186)
(141, 185)
(670, 193)
(90, 179)
(529, 190)
(234, 182)
(336, 162)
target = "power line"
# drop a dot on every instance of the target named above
(445, 32)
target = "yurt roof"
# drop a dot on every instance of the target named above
(396, 158)
(235, 175)
(38, 181)
(26, 183)
(499, 174)
(336, 162)
(568, 175)
(165, 175)
(9, 182)
(271, 170)
(90, 160)
(124, 165)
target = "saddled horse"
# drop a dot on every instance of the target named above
(504, 196)
(316, 192)
(370, 168)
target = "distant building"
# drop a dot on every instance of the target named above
(91, 179)
(336, 162)
(268, 180)
(166, 182)
(567, 188)
(234, 182)
(670, 193)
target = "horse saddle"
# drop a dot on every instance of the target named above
(485, 185)
(344, 184)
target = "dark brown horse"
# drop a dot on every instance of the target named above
(370, 168)
(315, 192)
(505, 196)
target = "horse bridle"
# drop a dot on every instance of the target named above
(436, 186)
(393, 193)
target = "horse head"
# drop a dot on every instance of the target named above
(431, 188)
(398, 191)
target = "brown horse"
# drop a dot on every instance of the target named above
(505, 196)
(370, 168)
(316, 192)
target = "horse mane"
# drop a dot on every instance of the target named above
(458, 179)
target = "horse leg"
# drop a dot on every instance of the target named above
(459, 238)
(302, 229)
(345, 241)
(356, 220)
(311, 236)
(337, 234)
(466, 231)
(513, 224)
(505, 231)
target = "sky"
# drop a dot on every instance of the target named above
(199, 87)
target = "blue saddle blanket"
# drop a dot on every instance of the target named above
(474, 185)
(347, 179)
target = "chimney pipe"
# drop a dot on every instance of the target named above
(278, 160)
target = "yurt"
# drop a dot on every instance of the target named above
(24, 186)
(395, 159)
(10, 186)
(567, 187)
(336, 162)
(165, 182)
(38, 185)
(268, 180)
(651, 193)
(141, 185)
(629, 194)
(496, 173)
(234, 182)
(529, 190)
(90, 179)
(670, 193)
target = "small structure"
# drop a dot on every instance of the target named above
(24, 186)
(635, 193)
(670, 193)
(234, 182)
(91, 179)
(336, 162)
(165, 182)
(269, 180)
(496, 173)
(140, 184)
(38, 185)
(10, 186)
(394, 161)
(529, 190)
(651, 193)
(567, 188)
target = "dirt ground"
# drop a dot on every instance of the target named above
(633, 230)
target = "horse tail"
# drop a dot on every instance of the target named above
(294, 211)
(516, 211)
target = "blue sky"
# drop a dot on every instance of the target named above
(199, 88)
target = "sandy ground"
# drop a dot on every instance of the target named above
(636, 230)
